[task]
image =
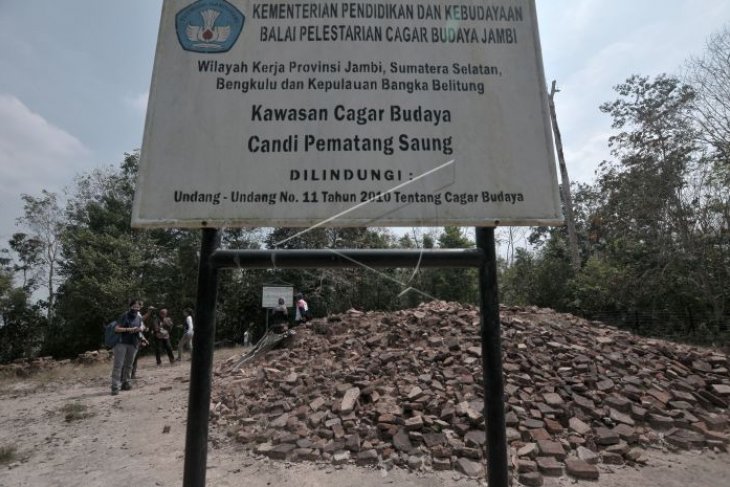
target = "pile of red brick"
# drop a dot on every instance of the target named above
(405, 389)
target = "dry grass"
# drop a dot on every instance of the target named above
(40, 379)
(7, 454)
(99, 370)
(75, 411)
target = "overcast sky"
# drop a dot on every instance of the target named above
(74, 78)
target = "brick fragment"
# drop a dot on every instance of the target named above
(530, 479)
(581, 470)
(367, 457)
(470, 468)
(349, 400)
(605, 436)
(549, 466)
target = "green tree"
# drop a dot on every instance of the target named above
(709, 74)
(21, 324)
(335, 290)
(541, 278)
(650, 229)
(652, 226)
(516, 283)
(28, 251)
(452, 284)
(646, 213)
(107, 263)
(239, 290)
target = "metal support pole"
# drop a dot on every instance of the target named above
(497, 469)
(211, 259)
(338, 258)
(201, 371)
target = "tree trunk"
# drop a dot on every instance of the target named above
(565, 186)
(50, 293)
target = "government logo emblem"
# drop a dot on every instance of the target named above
(209, 26)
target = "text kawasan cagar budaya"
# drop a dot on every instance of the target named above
(289, 143)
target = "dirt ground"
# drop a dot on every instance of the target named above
(121, 441)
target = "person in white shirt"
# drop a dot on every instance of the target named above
(187, 338)
(302, 312)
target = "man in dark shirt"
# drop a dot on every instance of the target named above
(161, 327)
(129, 326)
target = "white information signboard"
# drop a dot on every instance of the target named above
(271, 294)
(376, 113)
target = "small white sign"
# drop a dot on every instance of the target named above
(387, 113)
(271, 294)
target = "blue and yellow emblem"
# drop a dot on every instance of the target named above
(209, 26)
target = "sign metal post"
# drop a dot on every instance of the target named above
(201, 368)
(483, 258)
(494, 418)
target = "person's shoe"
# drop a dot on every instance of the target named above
(115, 392)
(126, 386)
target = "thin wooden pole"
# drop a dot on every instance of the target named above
(565, 186)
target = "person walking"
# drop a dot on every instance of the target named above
(143, 342)
(161, 328)
(129, 326)
(187, 337)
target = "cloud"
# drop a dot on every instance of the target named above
(583, 158)
(582, 15)
(34, 155)
(584, 128)
(139, 102)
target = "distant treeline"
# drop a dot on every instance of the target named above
(653, 236)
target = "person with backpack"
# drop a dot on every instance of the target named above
(128, 327)
(187, 337)
(161, 329)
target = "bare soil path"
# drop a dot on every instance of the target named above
(122, 441)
